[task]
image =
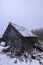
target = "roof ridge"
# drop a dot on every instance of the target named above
(17, 25)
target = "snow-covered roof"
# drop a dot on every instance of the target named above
(23, 31)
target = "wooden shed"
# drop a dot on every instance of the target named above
(17, 36)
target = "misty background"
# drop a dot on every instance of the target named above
(27, 13)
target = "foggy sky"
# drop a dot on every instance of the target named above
(27, 13)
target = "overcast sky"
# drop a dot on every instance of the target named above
(27, 13)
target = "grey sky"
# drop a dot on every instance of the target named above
(27, 13)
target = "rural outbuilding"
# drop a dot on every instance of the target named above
(18, 37)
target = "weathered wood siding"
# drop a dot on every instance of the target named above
(29, 42)
(13, 38)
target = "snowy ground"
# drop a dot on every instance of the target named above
(6, 60)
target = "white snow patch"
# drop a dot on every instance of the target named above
(2, 43)
(35, 62)
(6, 47)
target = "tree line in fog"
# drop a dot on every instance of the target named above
(39, 33)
